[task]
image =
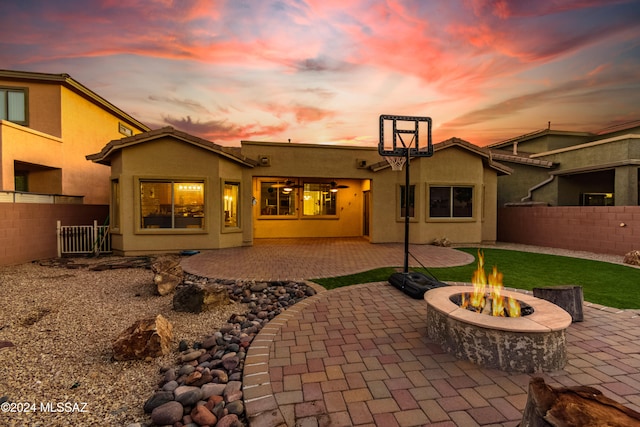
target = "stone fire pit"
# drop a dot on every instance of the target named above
(532, 343)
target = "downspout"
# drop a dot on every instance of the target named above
(535, 187)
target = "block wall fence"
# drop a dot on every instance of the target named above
(599, 229)
(28, 230)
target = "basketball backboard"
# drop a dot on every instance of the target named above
(401, 133)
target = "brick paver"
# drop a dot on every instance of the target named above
(366, 360)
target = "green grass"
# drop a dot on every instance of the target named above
(602, 283)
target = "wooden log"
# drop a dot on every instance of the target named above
(568, 297)
(573, 407)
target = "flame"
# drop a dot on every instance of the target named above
(478, 298)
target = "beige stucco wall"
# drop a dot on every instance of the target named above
(450, 166)
(167, 158)
(63, 127)
(318, 163)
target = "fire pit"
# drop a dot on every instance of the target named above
(532, 342)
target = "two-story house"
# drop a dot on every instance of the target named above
(48, 123)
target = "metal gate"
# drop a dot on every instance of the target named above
(83, 239)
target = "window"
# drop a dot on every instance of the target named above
(412, 201)
(115, 204)
(171, 204)
(13, 105)
(124, 130)
(450, 202)
(319, 199)
(230, 196)
(277, 198)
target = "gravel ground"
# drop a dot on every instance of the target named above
(62, 322)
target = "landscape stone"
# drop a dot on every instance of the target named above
(168, 413)
(203, 416)
(168, 274)
(196, 298)
(146, 338)
(187, 395)
(235, 407)
(157, 399)
(212, 389)
(219, 358)
(230, 420)
(632, 258)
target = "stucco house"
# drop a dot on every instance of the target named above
(562, 168)
(173, 191)
(48, 122)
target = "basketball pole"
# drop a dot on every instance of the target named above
(406, 212)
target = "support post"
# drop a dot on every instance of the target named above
(406, 215)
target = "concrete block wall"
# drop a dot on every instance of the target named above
(598, 229)
(28, 230)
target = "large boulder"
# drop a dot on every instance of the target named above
(168, 274)
(145, 339)
(632, 258)
(196, 298)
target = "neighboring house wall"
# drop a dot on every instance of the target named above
(65, 121)
(598, 229)
(563, 169)
(28, 230)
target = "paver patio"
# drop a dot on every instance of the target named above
(360, 355)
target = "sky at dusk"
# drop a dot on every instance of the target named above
(322, 71)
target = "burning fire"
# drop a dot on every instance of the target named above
(494, 303)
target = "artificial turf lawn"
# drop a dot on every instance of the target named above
(611, 285)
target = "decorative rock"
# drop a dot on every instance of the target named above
(203, 416)
(209, 342)
(168, 274)
(219, 358)
(230, 420)
(170, 386)
(186, 370)
(192, 355)
(632, 258)
(157, 399)
(259, 287)
(233, 391)
(230, 361)
(212, 389)
(168, 413)
(220, 376)
(235, 407)
(146, 338)
(195, 298)
(187, 395)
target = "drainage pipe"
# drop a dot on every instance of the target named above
(535, 187)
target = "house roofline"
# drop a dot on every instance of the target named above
(523, 160)
(587, 145)
(461, 143)
(535, 134)
(103, 157)
(67, 81)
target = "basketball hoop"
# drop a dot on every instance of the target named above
(396, 162)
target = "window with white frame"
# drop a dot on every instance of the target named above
(450, 201)
(171, 204)
(13, 105)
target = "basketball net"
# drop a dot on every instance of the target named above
(396, 162)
